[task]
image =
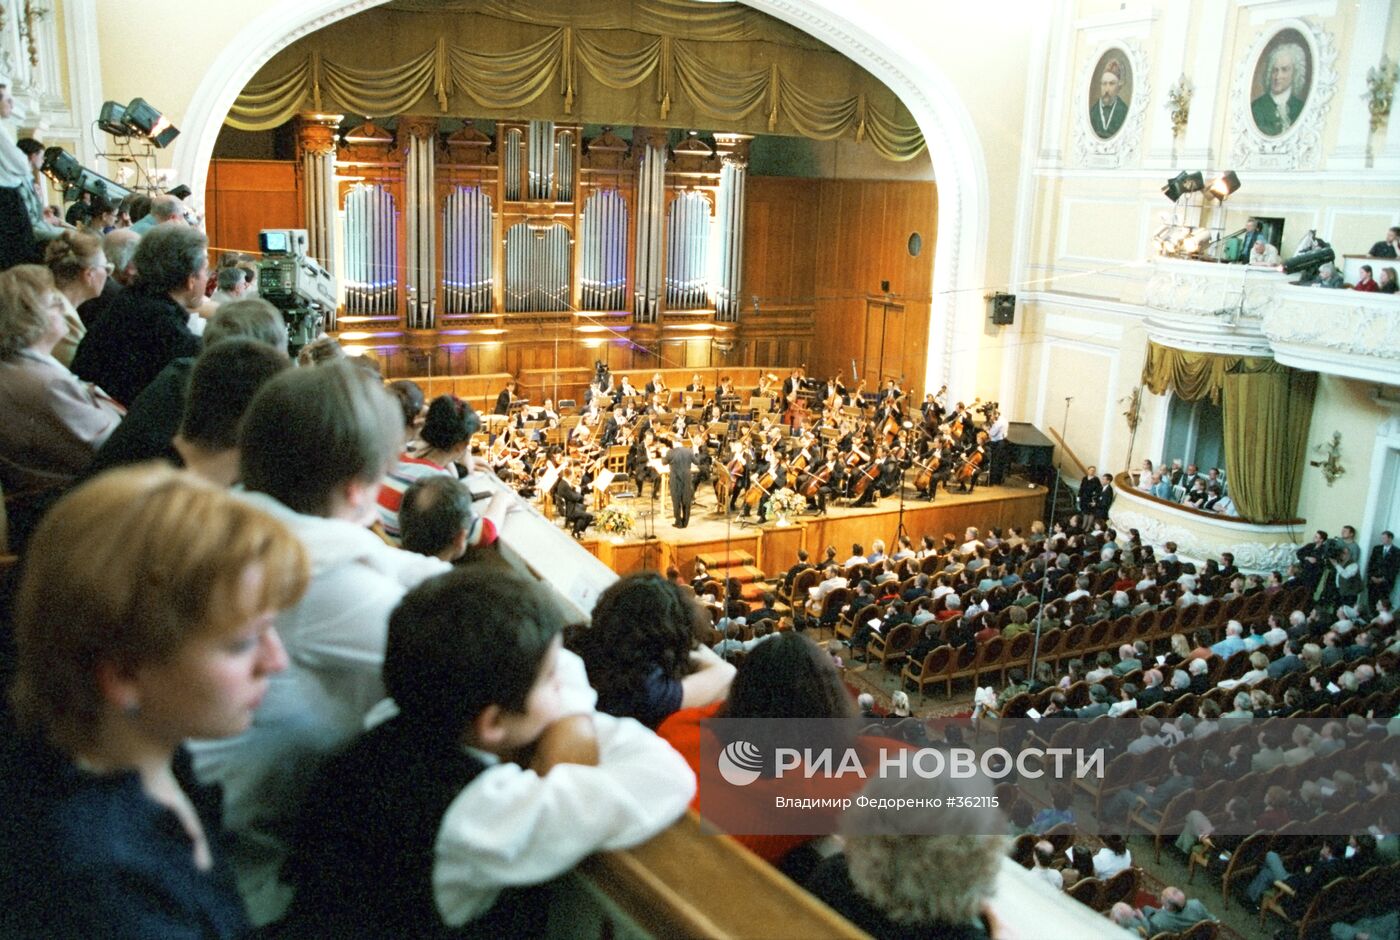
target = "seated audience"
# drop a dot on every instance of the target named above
(145, 618)
(146, 327)
(152, 428)
(79, 271)
(486, 777)
(894, 880)
(1366, 282)
(314, 445)
(643, 653)
(437, 518)
(447, 433)
(53, 422)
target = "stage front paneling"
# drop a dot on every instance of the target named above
(774, 548)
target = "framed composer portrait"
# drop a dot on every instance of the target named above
(1282, 81)
(1110, 93)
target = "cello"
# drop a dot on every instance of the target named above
(972, 463)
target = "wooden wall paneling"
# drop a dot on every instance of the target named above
(246, 196)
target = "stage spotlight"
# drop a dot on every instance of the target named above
(1224, 185)
(73, 178)
(147, 122)
(1309, 260)
(112, 119)
(1172, 190)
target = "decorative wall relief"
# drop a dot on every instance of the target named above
(1282, 92)
(1114, 82)
(1179, 104)
(1331, 462)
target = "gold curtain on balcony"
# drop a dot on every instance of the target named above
(1267, 414)
(730, 68)
(1267, 409)
(1189, 376)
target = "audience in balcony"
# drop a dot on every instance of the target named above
(1389, 247)
(1387, 283)
(1366, 282)
(1329, 277)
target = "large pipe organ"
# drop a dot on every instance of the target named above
(443, 239)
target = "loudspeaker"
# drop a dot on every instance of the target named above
(1004, 309)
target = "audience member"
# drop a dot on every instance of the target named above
(147, 326)
(403, 835)
(643, 652)
(314, 445)
(145, 618)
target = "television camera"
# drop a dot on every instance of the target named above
(295, 284)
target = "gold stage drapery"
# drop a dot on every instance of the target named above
(1267, 409)
(1267, 414)
(677, 63)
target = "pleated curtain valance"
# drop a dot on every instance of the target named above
(1266, 409)
(603, 75)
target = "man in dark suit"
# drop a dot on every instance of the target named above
(1382, 568)
(571, 503)
(504, 399)
(802, 565)
(1106, 495)
(681, 461)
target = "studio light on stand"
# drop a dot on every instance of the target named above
(1307, 262)
(1178, 239)
(75, 179)
(1221, 188)
(146, 122)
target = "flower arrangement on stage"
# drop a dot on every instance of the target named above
(785, 502)
(616, 519)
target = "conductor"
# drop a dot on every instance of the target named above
(507, 396)
(681, 460)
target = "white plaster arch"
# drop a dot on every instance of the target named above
(955, 147)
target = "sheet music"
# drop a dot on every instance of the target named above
(656, 464)
(551, 477)
(603, 479)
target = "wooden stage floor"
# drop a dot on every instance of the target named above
(774, 548)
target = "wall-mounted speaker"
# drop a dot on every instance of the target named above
(1004, 309)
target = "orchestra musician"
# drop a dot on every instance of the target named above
(625, 389)
(696, 386)
(568, 493)
(657, 386)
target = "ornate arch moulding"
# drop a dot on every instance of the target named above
(1122, 148)
(1257, 547)
(1300, 147)
(950, 134)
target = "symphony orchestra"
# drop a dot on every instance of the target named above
(821, 439)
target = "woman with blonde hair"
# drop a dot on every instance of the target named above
(53, 422)
(79, 270)
(144, 618)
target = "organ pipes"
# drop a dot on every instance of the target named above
(371, 251)
(316, 139)
(651, 194)
(565, 166)
(539, 149)
(687, 252)
(603, 268)
(466, 253)
(512, 164)
(732, 181)
(422, 234)
(537, 268)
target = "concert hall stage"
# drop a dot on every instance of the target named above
(774, 548)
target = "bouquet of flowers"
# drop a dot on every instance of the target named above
(616, 519)
(785, 502)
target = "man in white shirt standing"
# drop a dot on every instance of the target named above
(998, 448)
